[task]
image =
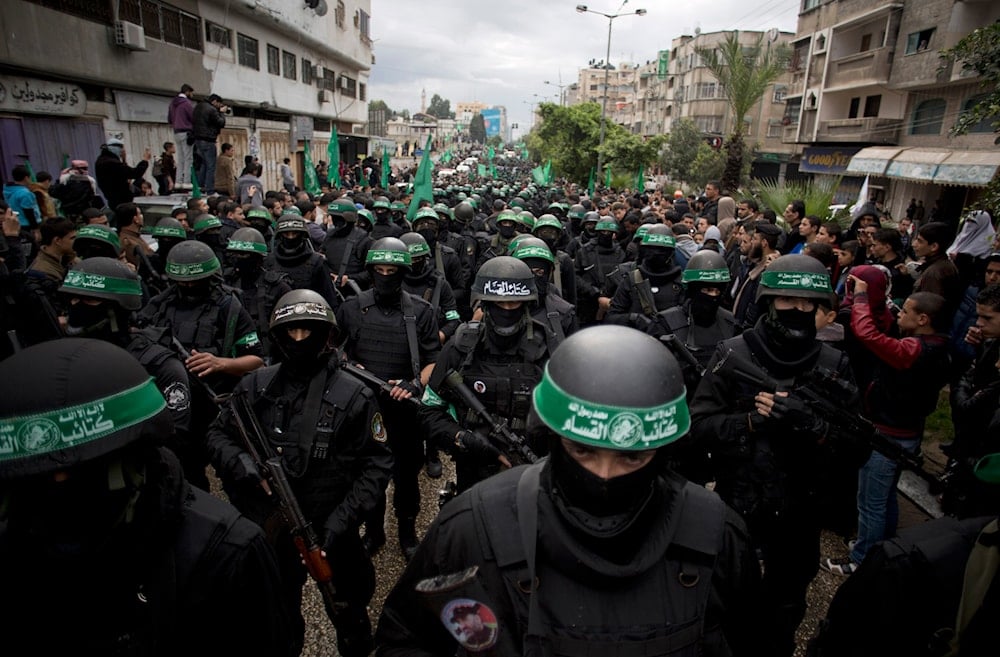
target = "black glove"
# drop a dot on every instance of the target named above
(413, 387)
(796, 414)
(244, 471)
(476, 444)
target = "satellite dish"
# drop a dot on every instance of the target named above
(321, 8)
(697, 31)
(772, 34)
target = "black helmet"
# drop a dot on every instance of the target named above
(504, 278)
(247, 240)
(344, 208)
(464, 212)
(576, 211)
(642, 409)
(191, 261)
(706, 267)
(590, 218)
(301, 306)
(389, 251)
(168, 227)
(66, 402)
(658, 236)
(94, 240)
(416, 244)
(104, 278)
(291, 223)
(532, 248)
(795, 276)
(205, 223)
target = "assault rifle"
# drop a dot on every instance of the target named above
(275, 483)
(371, 379)
(821, 391)
(681, 351)
(499, 430)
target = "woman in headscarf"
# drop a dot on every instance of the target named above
(973, 244)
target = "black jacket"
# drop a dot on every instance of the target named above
(113, 177)
(208, 122)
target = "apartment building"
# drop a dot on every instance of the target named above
(869, 97)
(290, 70)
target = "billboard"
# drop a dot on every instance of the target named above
(491, 121)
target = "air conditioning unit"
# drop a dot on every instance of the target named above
(343, 83)
(129, 35)
(322, 96)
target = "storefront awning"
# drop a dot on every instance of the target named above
(968, 168)
(873, 160)
(917, 164)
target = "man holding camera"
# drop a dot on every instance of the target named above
(209, 120)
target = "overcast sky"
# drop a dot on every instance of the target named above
(501, 52)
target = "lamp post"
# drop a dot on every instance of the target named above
(582, 9)
(562, 99)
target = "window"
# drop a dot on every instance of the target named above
(928, 117)
(775, 128)
(273, 60)
(99, 12)
(792, 110)
(364, 24)
(780, 93)
(706, 90)
(247, 51)
(866, 43)
(919, 41)
(328, 80)
(362, 91)
(348, 86)
(809, 4)
(159, 20)
(986, 125)
(340, 13)
(219, 35)
(307, 71)
(708, 123)
(593, 87)
(852, 113)
(872, 104)
(288, 65)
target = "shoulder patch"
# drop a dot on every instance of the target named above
(378, 428)
(178, 396)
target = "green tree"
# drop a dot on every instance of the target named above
(477, 129)
(568, 136)
(744, 73)
(496, 141)
(682, 148)
(440, 108)
(380, 105)
(979, 52)
(627, 152)
(708, 164)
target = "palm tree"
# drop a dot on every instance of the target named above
(744, 73)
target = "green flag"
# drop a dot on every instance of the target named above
(538, 175)
(590, 183)
(333, 154)
(548, 172)
(493, 170)
(195, 187)
(481, 170)
(640, 180)
(607, 176)
(31, 171)
(491, 154)
(386, 171)
(363, 181)
(423, 187)
(446, 157)
(312, 182)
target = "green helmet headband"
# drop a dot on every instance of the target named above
(658, 239)
(166, 231)
(247, 247)
(705, 276)
(608, 225)
(99, 234)
(380, 257)
(192, 271)
(206, 222)
(533, 251)
(987, 469)
(65, 428)
(610, 427)
(796, 280)
(87, 284)
(418, 249)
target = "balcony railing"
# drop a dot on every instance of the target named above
(874, 130)
(860, 69)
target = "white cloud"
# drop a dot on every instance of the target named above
(501, 52)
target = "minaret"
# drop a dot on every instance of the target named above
(423, 101)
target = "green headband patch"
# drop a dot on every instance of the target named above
(378, 257)
(418, 249)
(101, 234)
(657, 239)
(187, 270)
(78, 281)
(705, 276)
(607, 225)
(205, 224)
(525, 252)
(65, 428)
(250, 247)
(169, 231)
(796, 280)
(610, 427)
(987, 469)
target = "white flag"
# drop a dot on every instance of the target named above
(862, 200)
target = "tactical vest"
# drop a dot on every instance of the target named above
(700, 340)
(380, 341)
(197, 328)
(301, 272)
(595, 263)
(660, 296)
(550, 314)
(341, 252)
(260, 301)
(559, 616)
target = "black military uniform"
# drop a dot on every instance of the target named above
(653, 285)
(394, 335)
(773, 458)
(574, 559)
(499, 359)
(211, 325)
(429, 284)
(293, 255)
(463, 241)
(168, 233)
(384, 226)
(208, 230)
(554, 313)
(259, 288)
(328, 431)
(563, 275)
(346, 246)
(595, 260)
(102, 532)
(496, 245)
(443, 257)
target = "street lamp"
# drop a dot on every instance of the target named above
(562, 99)
(582, 9)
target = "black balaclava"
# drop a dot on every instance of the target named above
(507, 230)
(262, 224)
(429, 233)
(419, 269)
(248, 267)
(93, 249)
(304, 357)
(339, 226)
(212, 238)
(382, 217)
(792, 332)
(656, 260)
(605, 239)
(388, 289)
(103, 321)
(506, 325)
(541, 282)
(290, 245)
(589, 231)
(704, 307)
(197, 293)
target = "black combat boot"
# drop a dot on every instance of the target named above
(408, 537)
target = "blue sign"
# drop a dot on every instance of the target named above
(491, 121)
(826, 159)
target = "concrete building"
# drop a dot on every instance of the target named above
(868, 97)
(288, 72)
(621, 105)
(464, 111)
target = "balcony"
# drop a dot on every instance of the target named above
(872, 130)
(860, 69)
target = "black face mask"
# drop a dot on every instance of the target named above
(196, 293)
(211, 239)
(605, 239)
(506, 231)
(387, 288)
(791, 327)
(262, 225)
(599, 497)
(247, 267)
(429, 234)
(382, 218)
(704, 308)
(90, 249)
(85, 320)
(589, 231)
(505, 322)
(417, 269)
(306, 356)
(657, 261)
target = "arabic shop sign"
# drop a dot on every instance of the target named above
(825, 159)
(19, 94)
